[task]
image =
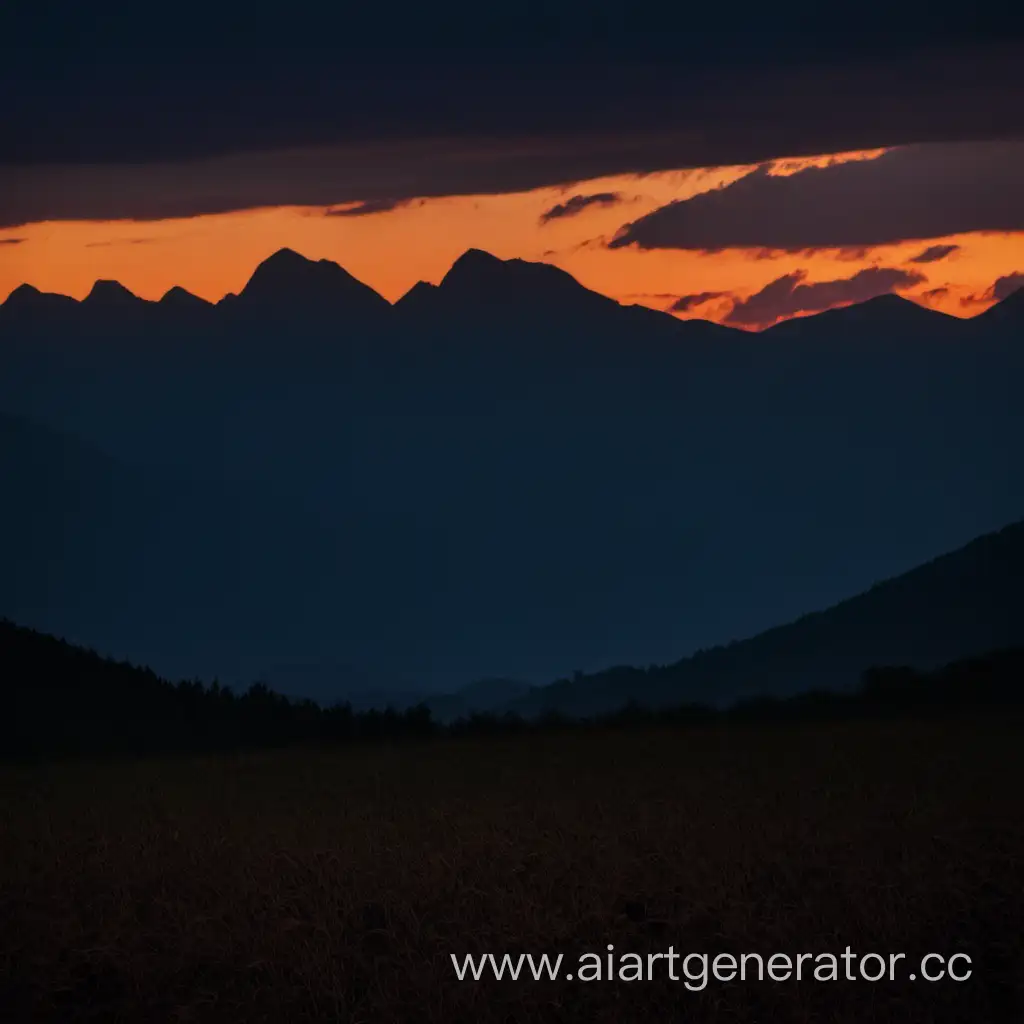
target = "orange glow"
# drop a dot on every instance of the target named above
(213, 255)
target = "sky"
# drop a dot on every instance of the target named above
(742, 170)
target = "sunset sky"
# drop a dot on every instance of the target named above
(734, 185)
(574, 226)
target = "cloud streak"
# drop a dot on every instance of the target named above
(368, 207)
(687, 302)
(577, 204)
(934, 253)
(119, 241)
(913, 192)
(790, 295)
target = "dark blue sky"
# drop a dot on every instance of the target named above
(148, 82)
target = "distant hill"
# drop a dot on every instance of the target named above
(62, 700)
(483, 697)
(964, 603)
(506, 475)
(881, 314)
(194, 576)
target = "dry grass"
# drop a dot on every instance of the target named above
(332, 886)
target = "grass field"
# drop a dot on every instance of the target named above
(334, 885)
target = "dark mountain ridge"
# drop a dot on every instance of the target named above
(882, 312)
(287, 282)
(542, 481)
(963, 603)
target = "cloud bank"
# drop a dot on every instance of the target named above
(912, 192)
(128, 137)
(1004, 287)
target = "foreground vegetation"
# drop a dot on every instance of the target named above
(333, 884)
(191, 854)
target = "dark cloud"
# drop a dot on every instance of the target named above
(129, 136)
(1006, 286)
(91, 87)
(597, 242)
(119, 241)
(789, 295)
(11, 241)
(913, 192)
(845, 252)
(577, 204)
(687, 302)
(935, 293)
(1000, 289)
(934, 253)
(368, 206)
(851, 253)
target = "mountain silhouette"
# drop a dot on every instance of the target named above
(481, 288)
(962, 604)
(112, 295)
(417, 299)
(112, 311)
(883, 314)
(289, 284)
(477, 277)
(30, 310)
(516, 476)
(179, 298)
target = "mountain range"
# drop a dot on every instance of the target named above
(505, 475)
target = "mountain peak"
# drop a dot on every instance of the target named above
(888, 300)
(285, 269)
(421, 293)
(891, 305)
(180, 298)
(288, 280)
(24, 296)
(109, 293)
(474, 262)
(879, 312)
(28, 297)
(285, 260)
(24, 292)
(481, 278)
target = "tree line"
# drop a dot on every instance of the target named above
(60, 699)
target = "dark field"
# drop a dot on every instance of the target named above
(333, 885)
